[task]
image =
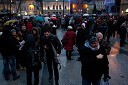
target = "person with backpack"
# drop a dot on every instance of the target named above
(33, 58)
(51, 44)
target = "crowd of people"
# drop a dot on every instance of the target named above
(27, 43)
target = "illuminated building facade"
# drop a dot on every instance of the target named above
(124, 7)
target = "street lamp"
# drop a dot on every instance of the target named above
(63, 8)
(69, 6)
(10, 6)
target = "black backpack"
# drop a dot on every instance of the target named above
(34, 58)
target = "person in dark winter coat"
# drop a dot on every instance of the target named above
(24, 32)
(54, 28)
(8, 49)
(81, 37)
(110, 29)
(70, 36)
(17, 40)
(33, 58)
(49, 42)
(103, 43)
(94, 62)
(20, 54)
(123, 33)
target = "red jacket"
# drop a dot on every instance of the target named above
(29, 26)
(70, 35)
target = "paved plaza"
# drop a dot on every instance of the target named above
(70, 73)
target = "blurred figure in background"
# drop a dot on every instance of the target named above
(103, 43)
(70, 36)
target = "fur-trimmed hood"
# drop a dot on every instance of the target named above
(88, 46)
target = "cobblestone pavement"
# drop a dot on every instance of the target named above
(70, 72)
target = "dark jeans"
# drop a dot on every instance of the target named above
(122, 38)
(52, 65)
(9, 62)
(29, 77)
(17, 62)
(22, 58)
(108, 36)
(68, 54)
(90, 82)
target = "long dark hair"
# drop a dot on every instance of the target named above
(37, 35)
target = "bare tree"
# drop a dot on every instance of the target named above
(41, 5)
(117, 3)
(19, 6)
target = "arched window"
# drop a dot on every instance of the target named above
(65, 7)
(59, 6)
(48, 8)
(56, 7)
(53, 6)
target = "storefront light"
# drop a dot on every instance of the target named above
(25, 13)
(126, 10)
(122, 12)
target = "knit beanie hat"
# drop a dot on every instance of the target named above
(13, 30)
(93, 39)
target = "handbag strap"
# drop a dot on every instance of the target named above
(54, 50)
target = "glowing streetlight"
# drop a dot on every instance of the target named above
(122, 12)
(126, 11)
(25, 13)
(10, 5)
(69, 5)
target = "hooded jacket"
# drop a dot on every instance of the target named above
(93, 68)
(8, 44)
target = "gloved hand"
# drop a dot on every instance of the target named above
(43, 60)
(106, 77)
(58, 55)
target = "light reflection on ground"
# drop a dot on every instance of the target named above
(115, 49)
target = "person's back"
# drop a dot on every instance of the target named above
(33, 60)
(70, 36)
(81, 37)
